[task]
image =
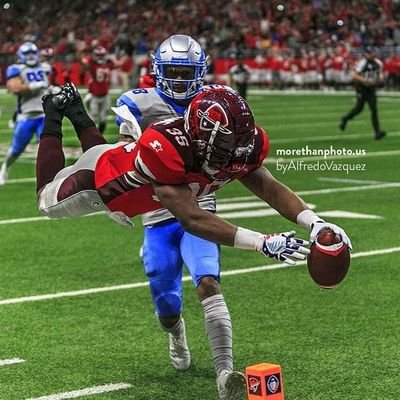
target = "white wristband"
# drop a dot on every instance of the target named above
(306, 218)
(247, 239)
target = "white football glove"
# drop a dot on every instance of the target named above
(281, 246)
(318, 226)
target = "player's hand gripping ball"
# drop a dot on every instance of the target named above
(329, 259)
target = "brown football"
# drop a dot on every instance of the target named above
(329, 259)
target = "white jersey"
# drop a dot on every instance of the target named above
(149, 106)
(30, 104)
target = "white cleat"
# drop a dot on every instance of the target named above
(179, 350)
(231, 385)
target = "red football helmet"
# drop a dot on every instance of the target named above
(222, 127)
(100, 54)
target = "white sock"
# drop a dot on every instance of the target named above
(176, 330)
(219, 331)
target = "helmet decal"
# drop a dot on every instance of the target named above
(209, 118)
(222, 129)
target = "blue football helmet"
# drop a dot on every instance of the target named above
(180, 65)
(28, 54)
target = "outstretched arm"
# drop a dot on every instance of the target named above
(275, 193)
(287, 203)
(182, 203)
(179, 199)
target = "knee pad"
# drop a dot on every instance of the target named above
(168, 305)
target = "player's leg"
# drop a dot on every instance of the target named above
(86, 100)
(372, 103)
(23, 133)
(202, 259)
(360, 97)
(64, 192)
(104, 106)
(50, 159)
(163, 267)
(84, 126)
(93, 110)
(71, 191)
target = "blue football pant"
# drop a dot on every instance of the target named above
(23, 133)
(166, 248)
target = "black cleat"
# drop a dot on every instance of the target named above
(343, 123)
(379, 135)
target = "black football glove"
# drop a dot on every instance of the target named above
(53, 116)
(65, 96)
(69, 100)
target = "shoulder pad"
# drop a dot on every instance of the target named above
(126, 100)
(129, 125)
(13, 71)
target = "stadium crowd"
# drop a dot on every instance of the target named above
(266, 31)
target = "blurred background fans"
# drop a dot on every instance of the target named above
(299, 43)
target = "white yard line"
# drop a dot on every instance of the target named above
(355, 181)
(51, 296)
(22, 220)
(35, 219)
(20, 180)
(349, 189)
(269, 212)
(111, 387)
(246, 205)
(347, 214)
(11, 361)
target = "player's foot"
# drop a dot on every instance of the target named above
(179, 350)
(379, 135)
(231, 385)
(3, 174)
(343, 123)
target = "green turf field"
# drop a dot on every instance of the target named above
(75, 312)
